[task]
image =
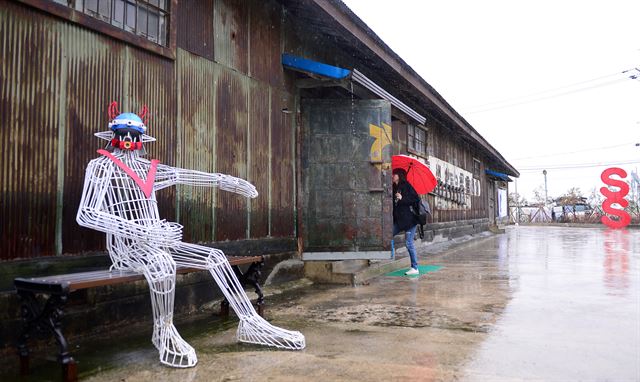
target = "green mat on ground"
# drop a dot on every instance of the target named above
(424, 269)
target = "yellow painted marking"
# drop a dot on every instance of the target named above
(383, 139)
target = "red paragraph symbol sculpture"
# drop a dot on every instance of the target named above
(615, 197)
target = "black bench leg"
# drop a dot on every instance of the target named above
(69, 366)
(47, 319)
(252, 277)
(30, 311)
(224, 309)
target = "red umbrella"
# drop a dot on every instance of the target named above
(418, 174)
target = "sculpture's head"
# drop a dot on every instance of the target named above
(127, 131)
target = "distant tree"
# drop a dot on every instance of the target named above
(571, 197)
(515, 199)
(538, 197)
(595, 198)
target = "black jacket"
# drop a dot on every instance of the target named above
(402, 215)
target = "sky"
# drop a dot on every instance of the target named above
(541, 80)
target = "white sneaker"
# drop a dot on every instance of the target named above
(412, 272)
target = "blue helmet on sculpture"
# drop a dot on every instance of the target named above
(127, 131)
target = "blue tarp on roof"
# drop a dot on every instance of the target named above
(314, 67)
(498, 175)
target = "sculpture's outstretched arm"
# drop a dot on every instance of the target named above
(203, 179)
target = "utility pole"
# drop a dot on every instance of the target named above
(546, 195)
(517, 204)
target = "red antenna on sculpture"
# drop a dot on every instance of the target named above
(143, 114)
(113, 110)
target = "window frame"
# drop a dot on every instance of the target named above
(477, 174)
(77, 17)
(411, 139)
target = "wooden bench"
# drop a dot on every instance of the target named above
(46, 317)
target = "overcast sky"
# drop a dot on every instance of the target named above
(478, 54)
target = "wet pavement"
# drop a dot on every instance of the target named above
(536, 303)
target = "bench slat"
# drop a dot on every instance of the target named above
(76, 281)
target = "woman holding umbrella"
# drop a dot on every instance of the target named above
(404, 197)
(410, 178)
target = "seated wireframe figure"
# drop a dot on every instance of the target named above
(119, 199)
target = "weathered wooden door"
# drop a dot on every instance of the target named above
(346, 177)
(491, 195)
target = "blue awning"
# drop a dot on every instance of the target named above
(498, 175)
(333, 72)
(314, 67)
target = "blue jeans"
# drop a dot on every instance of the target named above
(409, 237)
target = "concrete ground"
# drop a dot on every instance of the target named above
(536, 303)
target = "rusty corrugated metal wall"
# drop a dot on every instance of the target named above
(231, 151)
(57, 79)
(259, 157)
(92, 79)
(196, 32)
(231, 30)
(29, 125)
(196, 143)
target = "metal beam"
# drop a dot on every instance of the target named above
(380, 92)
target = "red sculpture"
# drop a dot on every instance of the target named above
(615, 197)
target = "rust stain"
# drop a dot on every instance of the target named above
(231, 152)
(264, 41)
(29, 133)
(153, 83)
(231, 34)
(259, 158)
(196, 145)
(95, 69)
(195, 29)
(282, 194)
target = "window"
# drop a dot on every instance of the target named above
(417, 140)
(146, 18)
(476, 168)
(148, 24)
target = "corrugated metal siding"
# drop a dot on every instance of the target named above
(196, 144)
(57, 79)
(29, 132)
(259, 153)
(153, 84)
(231, 152)
(231, 34)
(282, 185)
(95, 68)
(264, 42)
(195, 29)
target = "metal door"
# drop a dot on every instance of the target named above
(346, 179)
(491, 194)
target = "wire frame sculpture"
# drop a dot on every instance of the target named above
(119, 199)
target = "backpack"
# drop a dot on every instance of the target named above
(421, 210)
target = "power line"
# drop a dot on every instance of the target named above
(549, 97)
(574, 152)
(545, 91)
(576, 166)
